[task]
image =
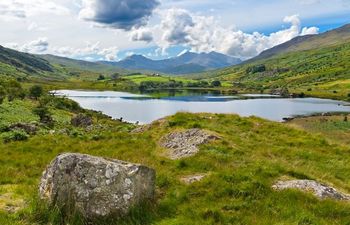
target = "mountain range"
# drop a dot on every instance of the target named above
(186, 63)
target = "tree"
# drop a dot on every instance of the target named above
(101, 77)
(14, 90)
(115, 76)
(216, 83)
(36, 91)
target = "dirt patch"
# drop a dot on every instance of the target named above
(321, 191)
(193, 178)
(185, 144)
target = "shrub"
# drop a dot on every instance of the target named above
(2, 94)
(256, 69)
(101, 77)
(15, 135)
(44, 115)
(36, 91)
(14, 90)
(216, 83)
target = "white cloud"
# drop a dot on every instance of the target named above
(309, 31)
(141, 34)
(25, 8)
(204, 34)
(39, 45)
(90, 49)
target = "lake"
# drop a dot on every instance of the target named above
(144, 109)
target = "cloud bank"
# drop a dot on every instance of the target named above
(119, 14)
(204, 34)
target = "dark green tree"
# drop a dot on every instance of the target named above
(216, 83)
(101, 77)
(36, 91)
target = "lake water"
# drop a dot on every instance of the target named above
(145, 109)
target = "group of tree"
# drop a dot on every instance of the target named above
(256, 69)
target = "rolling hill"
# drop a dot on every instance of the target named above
(184, 64)
(309, 42)
(22, 64)
(74, 64)
(317, 65)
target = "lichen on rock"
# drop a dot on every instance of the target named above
(193, 178)
(321, 191)
(185, 144)
(96, 186)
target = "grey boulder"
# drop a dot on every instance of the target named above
(96, 187)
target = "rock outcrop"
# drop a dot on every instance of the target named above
(185, 144)
(81, 120)
(96, 187)
(321, 191)
(193, 178)
(28, 128)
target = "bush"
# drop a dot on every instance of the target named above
(2, 94)
(44, 115)
(36, 91)
(216, 83)
(256, 69)
(101, 77)
(16, 135)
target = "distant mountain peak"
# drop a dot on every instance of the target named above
(136, 56)
(188, 62)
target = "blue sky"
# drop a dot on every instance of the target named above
(114, 29)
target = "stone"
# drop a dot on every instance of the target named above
(185, 144)
(193, 178)
(28, 128)
(81, 120)
(97, 187)
(321, 191)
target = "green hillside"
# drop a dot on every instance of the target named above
(318, 65)
(14, 63)
(24, 66)
(80, 65)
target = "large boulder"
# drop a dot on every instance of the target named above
(96, 187)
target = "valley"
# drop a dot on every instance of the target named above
(225, 138)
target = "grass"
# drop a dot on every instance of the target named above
(137, 79)
(334, 128)
(251, 156)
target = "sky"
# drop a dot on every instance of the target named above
(111, 30)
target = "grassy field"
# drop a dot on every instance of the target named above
(251, 155)
(335, 128)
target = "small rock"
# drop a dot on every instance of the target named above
(81, 120)
(28, 128)
(185, 144)
(96, 186)
(192, 179)
(321, 191)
